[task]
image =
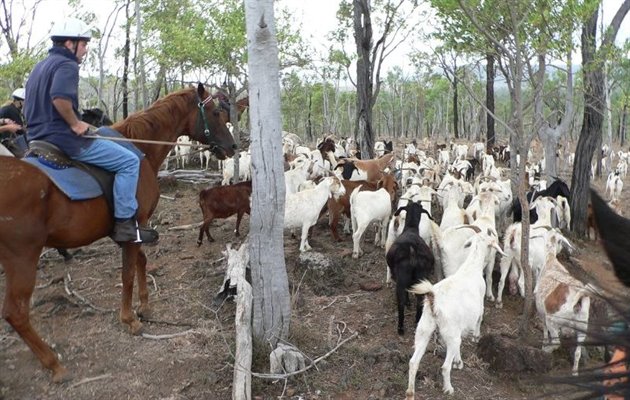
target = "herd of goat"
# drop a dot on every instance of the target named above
(404, 195)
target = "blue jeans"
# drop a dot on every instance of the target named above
(126, 165)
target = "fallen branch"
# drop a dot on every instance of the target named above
(169, 336)
(163, 196)
(185, 227)
(50, 282)
(92, 379)
(157, 321)
(70, 292)
(155, 287)
(284, 376)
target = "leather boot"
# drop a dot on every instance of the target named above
(129, 231)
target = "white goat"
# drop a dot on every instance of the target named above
(562, 301)
(301, 209)
(302, 170)
(244, 171)
(366, 207)
(614, 185)
(182, 151)
(563, 212)
(453, 215)
(455, 306)
(511, 261)
(449, 243)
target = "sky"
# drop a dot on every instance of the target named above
(315, 19)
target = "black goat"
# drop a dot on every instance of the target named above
(557, 188)
(410, 261)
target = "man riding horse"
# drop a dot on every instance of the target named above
(52, 116)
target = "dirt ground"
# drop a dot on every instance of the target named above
(75, 309)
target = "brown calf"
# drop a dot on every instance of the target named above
(223, 202)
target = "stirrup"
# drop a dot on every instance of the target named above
(129, 231)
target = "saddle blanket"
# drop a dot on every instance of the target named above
(74, 182)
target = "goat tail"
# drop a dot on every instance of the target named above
(424, 287)
(437, 247)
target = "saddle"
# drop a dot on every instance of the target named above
(50, 154)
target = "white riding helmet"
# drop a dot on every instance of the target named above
(18, 94)
(71, 29)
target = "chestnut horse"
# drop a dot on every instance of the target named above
(34, 213)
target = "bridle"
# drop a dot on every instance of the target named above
(214, 147)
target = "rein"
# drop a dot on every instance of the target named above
(160, 142)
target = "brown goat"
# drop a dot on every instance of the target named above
(369, 170)
(223, 202)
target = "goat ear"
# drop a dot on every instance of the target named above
(428, 215)
(397, 213)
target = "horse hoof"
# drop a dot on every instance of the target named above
(136, 328)
(61, 375)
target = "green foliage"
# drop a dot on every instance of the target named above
(13, 73)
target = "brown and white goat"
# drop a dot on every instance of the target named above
(562, 301)
(365, 170)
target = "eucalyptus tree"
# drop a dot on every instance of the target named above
(448, 58)
(619, 75)
(103, 36)
(591, 134)
(392, 25)
(19, 52)
(227, 53)
(522, 37)
(272, 308)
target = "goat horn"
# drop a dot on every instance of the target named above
(473, 227)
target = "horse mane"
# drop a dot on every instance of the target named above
(160, 115)
(614, 231)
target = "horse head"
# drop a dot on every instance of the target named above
(210, 128)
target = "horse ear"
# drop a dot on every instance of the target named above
(200, 90)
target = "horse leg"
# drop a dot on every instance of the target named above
(20, 282)
(130, 260)
(144, 311)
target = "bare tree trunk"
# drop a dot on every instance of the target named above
(622, 125)
(455, 105)
(126, 52)
(363, 39)
(490, 76)
(591, 133)
(309, 119)
(140, 54)
(272, 308)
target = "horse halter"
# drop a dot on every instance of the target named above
(206, 129)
